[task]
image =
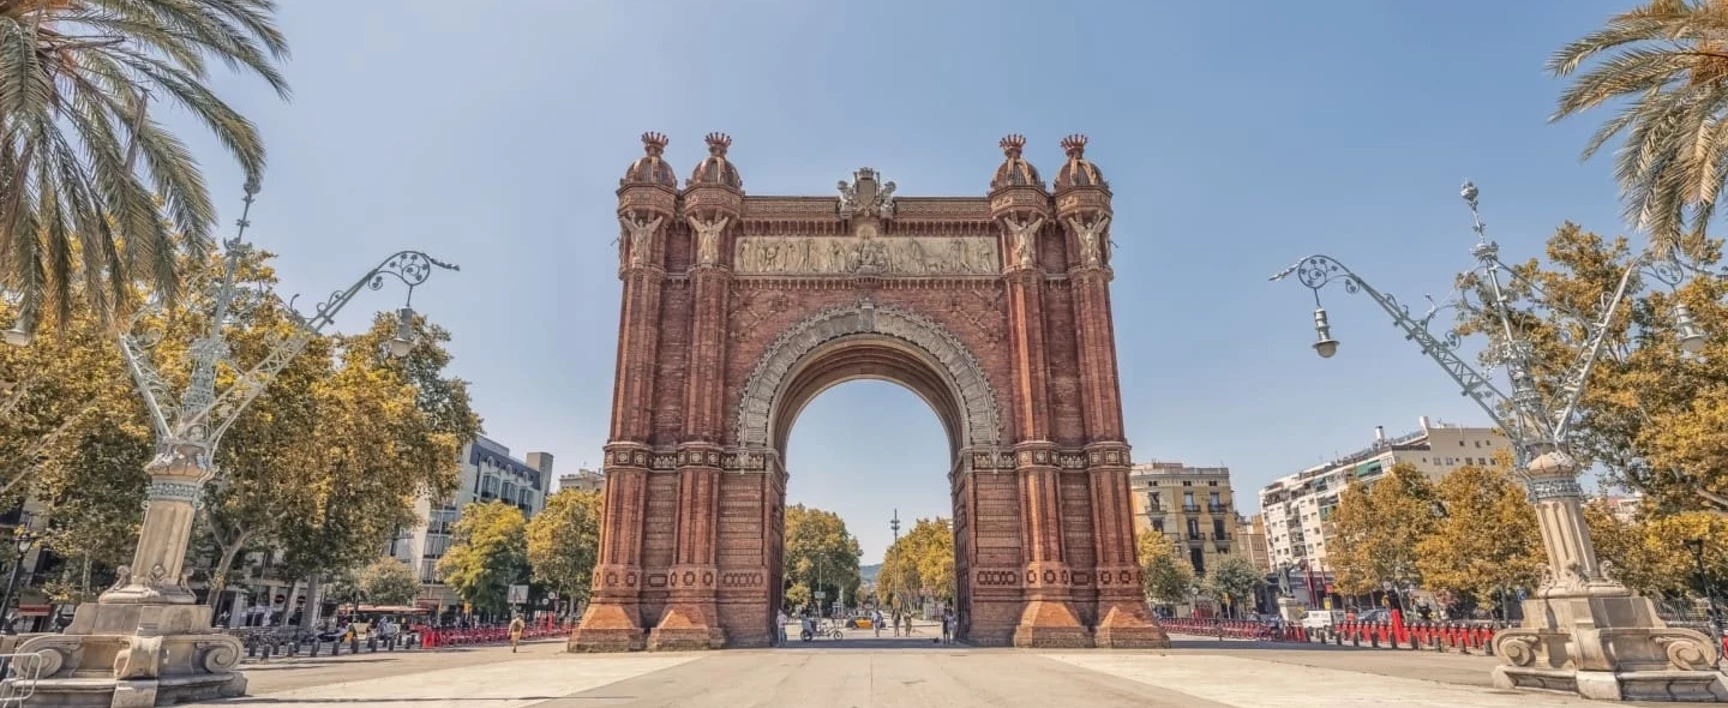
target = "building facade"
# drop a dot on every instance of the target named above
(584, 480)
(1296, 508)
(489, 473)
(1251, 535)
(1192, 505)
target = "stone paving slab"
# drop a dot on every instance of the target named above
(887, 673)
(501, 684)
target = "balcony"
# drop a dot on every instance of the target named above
(1191, 508)
(1196, 537)
(1220, 536)
(1217, 507)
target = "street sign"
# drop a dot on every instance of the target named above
(821, 594)
(518, 594)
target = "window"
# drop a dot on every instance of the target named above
(1158, 525)
(1187, 499)
(1212, 483)
(1187, 482)
(1197, 559)
(1218, 529)
(1214, 499)
(1478, 444)
(1193, 528)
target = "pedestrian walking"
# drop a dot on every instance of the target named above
(876, 621)
(896, 614)
(516, 627)
(947, 626)
(780, 627)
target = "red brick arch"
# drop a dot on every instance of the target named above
(738, 310)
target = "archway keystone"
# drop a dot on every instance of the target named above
(738, 310)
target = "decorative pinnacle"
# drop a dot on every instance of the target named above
(718, 143)
(1074, 145)
(1469, 193)
(1012, 144)
(654, 143)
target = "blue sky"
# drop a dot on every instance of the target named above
(1237, 136)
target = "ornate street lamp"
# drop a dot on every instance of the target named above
(1583, 631)
(22, 540)
(151, 597)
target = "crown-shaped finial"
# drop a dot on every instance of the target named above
(717, 143)
(654, 143)
(1012, 144)
(1074, 145)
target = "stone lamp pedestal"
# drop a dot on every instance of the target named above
(146, 641)
(1584, 632)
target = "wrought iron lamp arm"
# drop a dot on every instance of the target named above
(1318, 271)
(1573, 384)
(410, 267)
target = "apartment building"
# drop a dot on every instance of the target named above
(1251, 535)
(585, 480)
(1295, 508)
(1192, 505)
(488, 473)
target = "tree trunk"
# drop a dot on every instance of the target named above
(309, 616)
(219, 574)
(288, 604)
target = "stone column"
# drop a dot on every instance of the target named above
(613, 619)
(1048, 617)
(1123, 617)
(157, 574)
(691, 619)
(1586, 633)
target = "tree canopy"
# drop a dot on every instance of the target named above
(1167, 576)
(820, 554)
(564, 543)
(1375, 528)
(387, 581)
(1487, 542)
(918, 565)
(1234, 581)
(488, 554)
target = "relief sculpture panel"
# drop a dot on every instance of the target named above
(841, 255)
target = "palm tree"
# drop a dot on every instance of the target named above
(95, 196)
(1667, 62)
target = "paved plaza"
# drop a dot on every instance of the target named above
(865, 672)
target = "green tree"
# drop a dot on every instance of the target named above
(1234, 581)
(919, 565)
(1375, 528)
(1664, 65)
(820, 554)
(1650, 555)
(489, 553)
(564, 543)
(1650, 417)
(92, 189)
(388, 581)
(1487, 543)
(1166, 574)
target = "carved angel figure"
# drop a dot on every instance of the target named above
(885, 201)
(708, 239)
(641, 232)
(1091, 239)
(1022, 238)
(848, 198)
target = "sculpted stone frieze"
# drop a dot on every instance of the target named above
(841, 255)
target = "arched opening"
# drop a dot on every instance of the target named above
(869, 451)
(906, 366)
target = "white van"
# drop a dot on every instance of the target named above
(1322, 619)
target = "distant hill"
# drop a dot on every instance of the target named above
(867, 573)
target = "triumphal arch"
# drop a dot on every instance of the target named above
(738, 309)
